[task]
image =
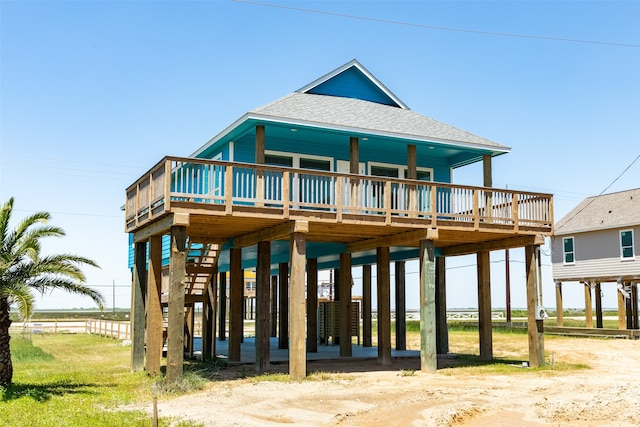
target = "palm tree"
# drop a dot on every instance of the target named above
(23, 269)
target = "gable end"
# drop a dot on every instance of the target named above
(352, 80)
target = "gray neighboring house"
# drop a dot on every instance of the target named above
(596, 243)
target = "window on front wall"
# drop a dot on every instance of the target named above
(626, 244)
(390, 172)
(568, 249)
(315, 164)
(275, 160)
(293, 160)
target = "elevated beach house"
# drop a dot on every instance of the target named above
(338, 174)
(596, 244)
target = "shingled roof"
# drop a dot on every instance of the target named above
(363, 116)
(350, 99)
(614, 210)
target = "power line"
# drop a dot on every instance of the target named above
(73, 213)
(67, 160)
(601, 193)
(434, 27)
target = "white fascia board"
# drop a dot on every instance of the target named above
(349, 129)
(220, 135)
(381, 86)
(495, 153)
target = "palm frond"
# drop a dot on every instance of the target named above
(44, 283)
(22, 268)
(22, 297)
(5, 216)
(71, 259)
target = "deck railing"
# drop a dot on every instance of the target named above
(231, 184)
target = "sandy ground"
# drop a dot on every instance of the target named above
(606, 393)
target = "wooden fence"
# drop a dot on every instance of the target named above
(107, 328)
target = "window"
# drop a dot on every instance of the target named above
(568, 250)
(308, 189)
(293, 160)
(422, 174)
(626, 244)
(275, 160)
(315, 164)
(400, 192)
(384, 171)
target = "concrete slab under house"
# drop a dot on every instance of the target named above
(337, 175)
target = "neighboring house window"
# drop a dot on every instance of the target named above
(626, 244)
(568, 250)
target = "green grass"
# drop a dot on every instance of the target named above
(466, 364)
(24, 351)
(582, 323)
(73, 380)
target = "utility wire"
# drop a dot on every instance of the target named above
(602, 192)
(434, 27)
(73, 213)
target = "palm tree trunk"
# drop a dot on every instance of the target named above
(6, 368)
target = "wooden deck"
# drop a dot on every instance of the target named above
(219, 200)
(205, 204)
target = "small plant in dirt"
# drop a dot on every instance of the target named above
(407, 373)
(273, 377)
(328, 376)
(243, 373)
(190, 382)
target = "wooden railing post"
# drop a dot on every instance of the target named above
(228, 190)
(433, 201)
(514, 211)
(476, 211)
(137, 205)
(339, 201)
(387, 201)
(286, 193)
(167, 185)
(259, 187)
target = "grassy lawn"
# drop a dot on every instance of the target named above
(73, 380)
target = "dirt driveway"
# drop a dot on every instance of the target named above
(604, 393)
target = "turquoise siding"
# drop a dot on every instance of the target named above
(214, 151)
(130, 261)
(337, 147)
(166, 249)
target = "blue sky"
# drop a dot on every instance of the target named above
(93, 93)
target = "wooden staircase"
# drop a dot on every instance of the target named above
(202, 262)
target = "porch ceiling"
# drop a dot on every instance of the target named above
(282, 133)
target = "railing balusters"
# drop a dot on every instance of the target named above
(228, 183)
